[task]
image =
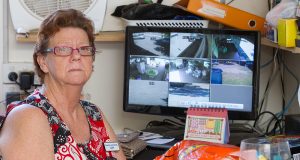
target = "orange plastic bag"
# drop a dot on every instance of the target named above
(199, 150)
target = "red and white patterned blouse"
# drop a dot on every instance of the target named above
(65, 147)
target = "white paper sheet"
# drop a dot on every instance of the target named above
(160, 140)
(148, 135)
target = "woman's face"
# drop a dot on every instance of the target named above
(73, 69)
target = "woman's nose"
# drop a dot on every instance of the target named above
(75, 54)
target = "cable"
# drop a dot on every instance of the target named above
(266, 92)
(269, 4)
(262, 113)
(173, 122)
(277, 123)
(166, 123)
(181, 119)
(267, 63)
(270, 81)
(256, 130)
(279, 61)
(155, 123)
(288, 105)
(16, 82)
(280, 115)
(229, 2)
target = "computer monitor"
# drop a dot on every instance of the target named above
(168, 70)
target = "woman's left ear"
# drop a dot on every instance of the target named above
(42, 63)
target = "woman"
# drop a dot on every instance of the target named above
(53, 123)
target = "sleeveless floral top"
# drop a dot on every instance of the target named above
(65, 147)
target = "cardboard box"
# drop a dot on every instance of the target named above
(224, 14)
(287, 32)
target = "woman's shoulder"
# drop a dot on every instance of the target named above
(24, 114)
(23, 125)
(24, 120)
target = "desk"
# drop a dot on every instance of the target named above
(149, 153)
(152, 152)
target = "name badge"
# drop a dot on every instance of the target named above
(111, 146)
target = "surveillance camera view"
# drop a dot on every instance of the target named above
(145, 92)
(190, 70)
(232, 60)
(193, 45)
(187, 94)
(149, 68)
(233, 47)
(148, 80)
(151, 44)
(231, 72)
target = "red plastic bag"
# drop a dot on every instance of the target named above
(199, 150)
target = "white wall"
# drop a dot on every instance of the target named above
(292, 62)
(106, 85)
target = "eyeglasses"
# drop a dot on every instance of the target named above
(66, 51)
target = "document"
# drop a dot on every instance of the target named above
(160, 140)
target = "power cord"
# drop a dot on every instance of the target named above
(173, 122)
(229, 2)
(166, 122)
(270, 80)
(13, 76)
(280, 115)
(288, 105)
(274, 117)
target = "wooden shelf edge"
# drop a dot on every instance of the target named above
(267, 42)
(111, 36)
(119, 36)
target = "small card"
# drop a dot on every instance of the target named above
(111, 146)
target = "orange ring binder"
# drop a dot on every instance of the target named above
(227, 15)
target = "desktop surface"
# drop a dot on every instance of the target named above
(237, 134)
(177, 132)
(149, 153)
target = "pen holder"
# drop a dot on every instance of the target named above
(265, 149)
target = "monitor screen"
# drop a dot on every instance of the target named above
(168, 70)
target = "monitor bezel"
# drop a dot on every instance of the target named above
(181, 112)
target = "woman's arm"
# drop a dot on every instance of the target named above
(26, 135)
(118, 154)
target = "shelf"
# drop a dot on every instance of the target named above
(119, 36)
(111, 36)
(266, 42)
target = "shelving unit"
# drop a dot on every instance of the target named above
(266, 42)
(112, 36)
(119, 36)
